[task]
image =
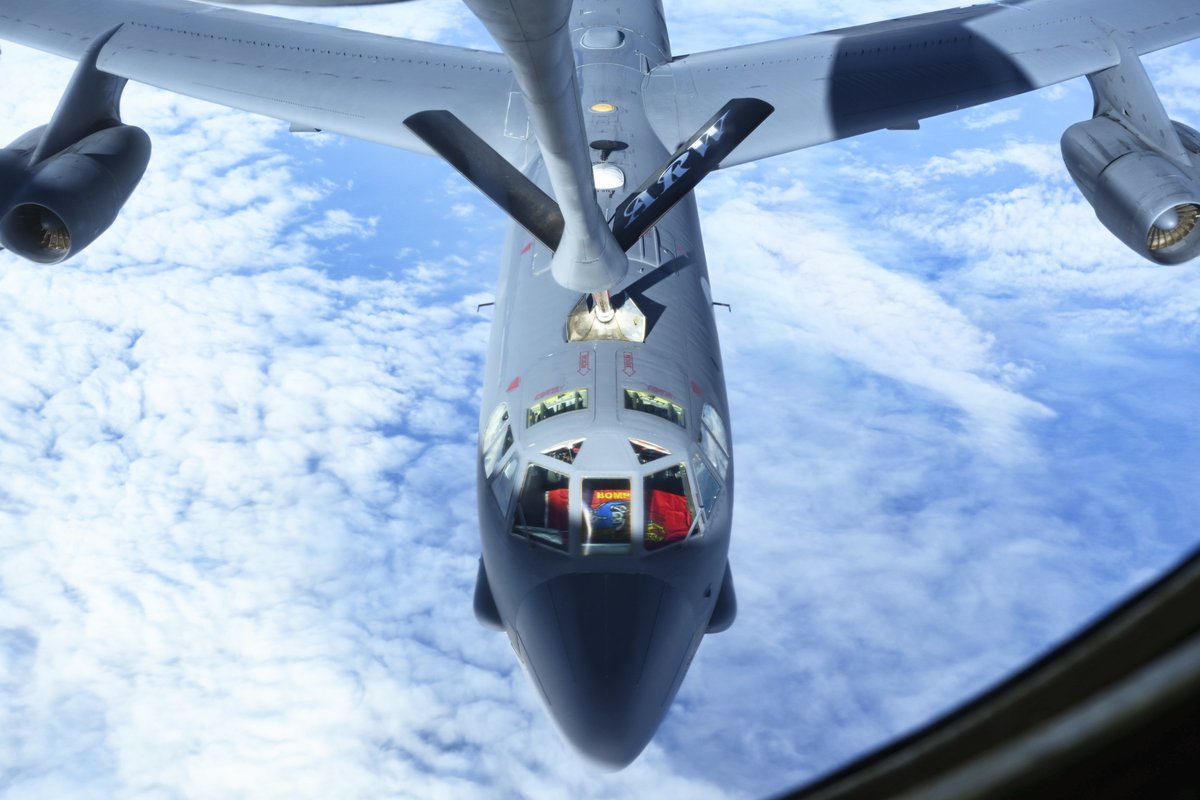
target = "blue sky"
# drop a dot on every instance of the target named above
(236, 443)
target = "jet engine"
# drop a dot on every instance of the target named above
(52, 208)
(1149, 201)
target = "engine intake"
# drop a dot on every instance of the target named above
(1148, 201)
(57, 207)
(1173, 227)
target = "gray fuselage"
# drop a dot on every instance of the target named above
(605, 477)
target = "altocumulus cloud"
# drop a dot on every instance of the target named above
(964, 417)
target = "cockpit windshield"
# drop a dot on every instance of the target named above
(670, 512)
(714, 440)
(609, 514)
(497, 438)
(706, 483)
(607, 521)
(502, 483)
(541, 512)
(496, 443)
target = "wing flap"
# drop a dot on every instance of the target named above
(313, 76)
(850, 81)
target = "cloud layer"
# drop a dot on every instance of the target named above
(964, 416)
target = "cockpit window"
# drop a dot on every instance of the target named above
(714, 440)
(658, 406)
(541, 511)
(566, 452)
(502, 484)
(706, 483)
(497, 438)
(670, 511)
(647, 452)
(607, 521)
(552, 406)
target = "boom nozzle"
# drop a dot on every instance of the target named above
(535, 35)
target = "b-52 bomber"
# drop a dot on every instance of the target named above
(605, 466)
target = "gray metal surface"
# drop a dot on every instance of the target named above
(534, 35)
(543, 595)
(1146, 199)
(313, 76)
(832, 85)
(1134, 165)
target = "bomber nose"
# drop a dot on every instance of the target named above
(606, 650)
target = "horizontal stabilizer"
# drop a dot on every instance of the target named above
(518, 196)
(715, 140)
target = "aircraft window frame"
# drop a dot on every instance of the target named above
(655, 405)
(497, 439)
(533, 499)
(647, 452)
(714, 440)
(613, 516)
(702, 473)
(565, 452)
(504, 483)
(554, 405)
(648, 497)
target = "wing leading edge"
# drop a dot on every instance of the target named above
(842, 83)
(313, 76)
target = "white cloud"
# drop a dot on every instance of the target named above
(803, 282)
(339, 222)
(986, 118)
(1173, 72)
(1041, 159)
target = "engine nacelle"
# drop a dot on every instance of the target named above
(1148, 201)
(51, 210)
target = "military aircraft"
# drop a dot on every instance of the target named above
(605, 469)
